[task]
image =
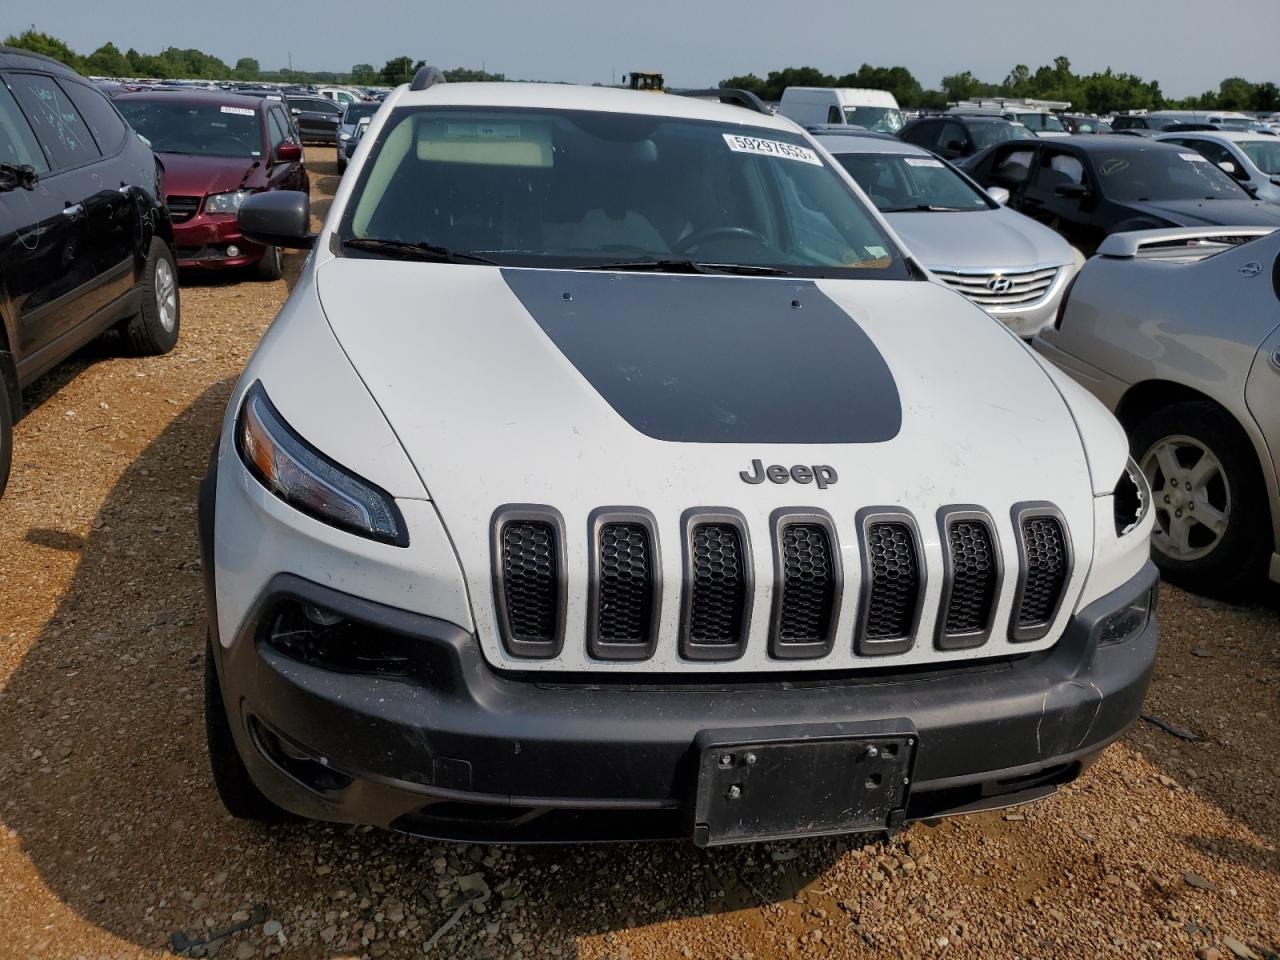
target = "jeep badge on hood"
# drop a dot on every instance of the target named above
(819, 473)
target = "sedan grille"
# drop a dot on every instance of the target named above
(182, 209)
(1002, 288)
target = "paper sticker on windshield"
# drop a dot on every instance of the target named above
(1194, 157)
(922, 162)
(770, 148)
(482, 131)
(238, 111)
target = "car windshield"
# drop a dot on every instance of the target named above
(357, 111)
(1041, 121)
(987, 134)
(898, 183)
(1163, 174)
(1265, 154)
(879, 119)
(204, 129)
(589, 189)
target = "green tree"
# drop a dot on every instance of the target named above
(747, 81)
(45, 45)
(1266, 97)
(466, 75)
(107, 61)
(398, 70)
(1235, 93)
(247, 68)
(364, 73)
(965, 86)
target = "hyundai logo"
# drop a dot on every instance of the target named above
(1251, 269)
(998, 284)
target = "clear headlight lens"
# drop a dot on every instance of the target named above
(1129, 621)
(226, 202)
(344, 135)
(309, 481)
(1132, 498)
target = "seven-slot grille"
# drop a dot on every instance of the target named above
(182, 208)
(717, 589)
(1002, 289)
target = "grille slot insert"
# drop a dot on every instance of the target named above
(182, 209)
(625, 597)
(893, 581)
(807, 586)
(529, 579)
(718, 585)
(973, 573)
(1044, 569)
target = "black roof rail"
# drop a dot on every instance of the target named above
(729, 95)
(427, 76)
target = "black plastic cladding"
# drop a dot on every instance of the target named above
(808, 584)
(973, 571)
(529, 579)
(718, 582)
(625, 597)
(1045, 561)
(893, 581)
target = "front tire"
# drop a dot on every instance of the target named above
(271, 266)
(6, 432)
(153, 330)
(1212, 514)
(237, 791)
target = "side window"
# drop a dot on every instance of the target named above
(919, 134)
(58, 125)
(332, 108)
(833, 115)
(1013, 166)
(17, 143)
(1058, 168)
(104, 122)
(279, 129)
(952, 134)
(1214, 152)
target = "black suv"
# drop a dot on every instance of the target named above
(85, 239)
(954, 135)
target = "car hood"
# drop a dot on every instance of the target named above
(1195, 213)
(196, 176)
(981, 239)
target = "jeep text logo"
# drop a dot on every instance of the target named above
(820, 474)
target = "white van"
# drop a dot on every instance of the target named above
(873, 109)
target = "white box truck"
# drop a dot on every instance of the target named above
(873, 109)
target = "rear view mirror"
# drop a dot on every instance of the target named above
(278, 218)
(999, 194)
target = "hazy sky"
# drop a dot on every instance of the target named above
(1188, 45)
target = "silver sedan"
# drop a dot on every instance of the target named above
(1178, 332)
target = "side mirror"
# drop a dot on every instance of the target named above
(1076, 191)
(999, 194)
(278, 218)
(288, 152)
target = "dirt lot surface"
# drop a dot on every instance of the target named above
(112, 841)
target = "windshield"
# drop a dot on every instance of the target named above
(1041, 121)
(205, 129)
(357, 111)
(987, 134)
(1265, 154)
(879, 119)
(1158, 174)
(580, 188)
(899, 183)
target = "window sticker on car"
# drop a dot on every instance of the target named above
(771, 148)
(238, 111)
(1194, 158)
(482, 131)
(1113, 166)
(876, 253)
(923, 162)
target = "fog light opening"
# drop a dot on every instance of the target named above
(232, 251)
(1127, 622)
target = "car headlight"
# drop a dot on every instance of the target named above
(226, 202)
(344, 135)
(307, 480)
(1132, 498)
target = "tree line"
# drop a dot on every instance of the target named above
(1103, 92)
(190, 64)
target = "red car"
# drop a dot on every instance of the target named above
(216, 150)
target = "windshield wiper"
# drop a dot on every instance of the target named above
(14, 175)
(688, 266)
(928, 208)
(414, 250)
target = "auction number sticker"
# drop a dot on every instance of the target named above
(922, 162)
(239, 111)
(739, 143)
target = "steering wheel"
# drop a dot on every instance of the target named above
(701, 236)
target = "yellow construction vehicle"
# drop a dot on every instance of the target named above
(637, 80)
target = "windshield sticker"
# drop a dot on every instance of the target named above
(923, 162)
(1113, 166)
(1194, 158)
(482, 131)
(771, 148)
(876, 253)
(239, 111)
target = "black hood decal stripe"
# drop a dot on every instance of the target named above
(707, 359)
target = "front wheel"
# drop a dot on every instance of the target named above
(6, 432)
(154, 328)
(271, 266)
(1210, 502)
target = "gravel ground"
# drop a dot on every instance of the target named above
(113, 843)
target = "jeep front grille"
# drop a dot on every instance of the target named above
(529, 581)
(807, 584)
(893, 582)
(718, 587)
(1045, 563)
(625, 586)
(1006, 289)
(973, 572)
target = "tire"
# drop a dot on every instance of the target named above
(271, 266)
(153, 330)
(236, 789)
(6, 432)
(1196, 446)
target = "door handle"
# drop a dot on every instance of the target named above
(73, 210)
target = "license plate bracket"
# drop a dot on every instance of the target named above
(774, 783)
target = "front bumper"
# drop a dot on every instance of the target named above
(450, 748)
(201, 243)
